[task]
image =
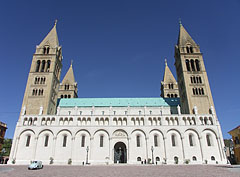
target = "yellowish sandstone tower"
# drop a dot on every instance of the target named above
(43, 80)
(169, 86)
(194, 89)
(68, 86)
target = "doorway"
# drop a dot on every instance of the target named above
(120, 153)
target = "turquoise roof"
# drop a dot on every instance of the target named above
(118, 102)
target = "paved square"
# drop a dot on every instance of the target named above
(122, 170)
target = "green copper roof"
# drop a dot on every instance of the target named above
(118, 102)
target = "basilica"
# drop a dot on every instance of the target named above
(57, 127)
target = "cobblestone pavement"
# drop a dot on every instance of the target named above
(121, 171)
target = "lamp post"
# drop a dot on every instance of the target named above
(152, 155)
(87, 155)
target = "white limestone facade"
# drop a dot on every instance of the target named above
(164, 135)
(57, 128)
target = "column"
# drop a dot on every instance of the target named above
(182, 138)
(200, 143)
(72, 146)
(35, 148)
(147, 138)
(91, 149)
(165, 151)
(15, 150)
(54, 147)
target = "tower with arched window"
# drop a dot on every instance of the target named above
(192, 77)
(68, 86)
(43, 80)
(169, 86)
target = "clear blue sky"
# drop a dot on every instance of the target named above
(118, 47)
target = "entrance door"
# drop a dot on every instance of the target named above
(120, 153)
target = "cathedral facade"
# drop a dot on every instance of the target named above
(179, 127)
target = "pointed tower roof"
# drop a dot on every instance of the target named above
(69, 77)
(168, 76)
(51, 38)
(184, 37)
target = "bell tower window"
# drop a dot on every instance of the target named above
(46, 50)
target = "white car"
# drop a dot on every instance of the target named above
(35, 165)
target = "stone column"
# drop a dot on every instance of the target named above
(54, 147)
(35, 148)
(165, 151)
(219, 148)
(182, 138)
(16, 148)
(72, 147)
(91, 149)
(147, 138)
(200, 143)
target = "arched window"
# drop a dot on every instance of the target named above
(101, 141)
(66, 87)
(83, 141)
(168, 95)
(197, 65)
(43, 65)
(48, 65)
(175, 95)
(173, 140)
(191, 49)
(199, 91)
(64, 140)
(61, 96)
(46, 141)
(209, 143)
(191, 79)
(191, 140)
(192, 65)
(69, 96)
(202, 91)
(187, 64)
(65, 96)
(196, 91)
(194, 158)
(28, 141)
(37, 66)
(155, 140)
(176, 160)
(171, 95)
(200, 79)
(194, 79)
(138, 140)
(157, 158)
(197, 79)
(46, 50)
(193, 91)
(139, 159)
(212, 158)
(187, 48)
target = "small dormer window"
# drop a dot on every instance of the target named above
(46, 50)
(66, 87)
(189, 49)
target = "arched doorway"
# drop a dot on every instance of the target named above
(120, 153)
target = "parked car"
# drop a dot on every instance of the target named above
(35, 165)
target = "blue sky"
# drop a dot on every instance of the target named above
(118, 47)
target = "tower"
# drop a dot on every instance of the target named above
(169, 86)
(68, 86)
(43, 80)
(194, 89)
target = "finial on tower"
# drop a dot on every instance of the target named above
(55, 22)
(71, 62)
(180, 21)
(165, 62)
